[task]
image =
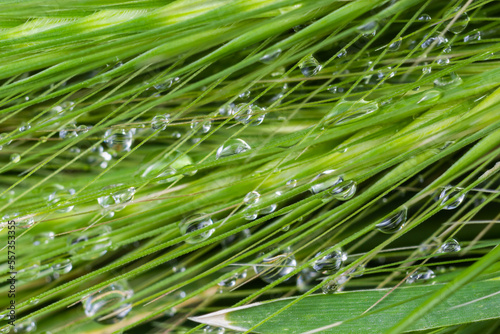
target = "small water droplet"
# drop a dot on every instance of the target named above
(29, 272)
(91, 244)
(424, 18)
(325, 180)
(347, 111)
(105, 300)
(226, 110)
(15, 158)
(291, 183)
(43, 238)
(118, 199)
(393, 223)
(440, 41)
(249, 114)
(231, 281)
(232, 147)
(310, 66)
(330, 262)
(27, 326)
(166, 84)
(474, 36)
(394, 46)
(449, 192)
(251, 198)
(335, 89)
(344, 191)
(58, 196)
(334, 285)
(201, 125)
(72, 131)
(430, 96)
(250, 213)
(368, 28)
(160, 122)
(305, 278)
(193, 223)
(213, 329)
(275, 266)
(62, 266)
(450, 246)
(422, 274)
(443, 61)
(460, 23)
(270, 57)
(449, 79)
(120, 140)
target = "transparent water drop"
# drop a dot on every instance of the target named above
(193, 223)
(72, 131)
(325, 180)
(62, 266)
(342, 53)
(330, 262)
(344, 191)
(430, 96)
(29, 272)
(347, 111)
(449, 79)
(474, 36)
(460, 23)
(275, 266)
(443, 61)
(232, 147)
(250, 213)
(58, 196)
(335, 89)
(251, 198)
(24, 127)
(422, 274)
(426, 69)
(249, 114)
(305, 278)
(120, 140)
(450, 246)
(4, 136)
(226, 110)
(91, 244)
(213, 329)
(15, 158)
(357, 271)
(428, 247)
(310, 66)
(201, 125)
(108, 300)
(270, 57)
(334, 285)
(291, 183)
(424, 18)
(368, 28)
(98, 157)
(26, 326)
(449, 192)
(231, 281)
(244, 95)
(447, 49)
(43, 238)
(160, 122)
(440, 41)
(394, 46)
(393, 223)
(116, 198)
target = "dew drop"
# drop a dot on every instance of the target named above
(440, 41)
(232, 147)
(72, 131)
(270, 57)
(347, 111)
(231, 281)
(443, 61)
(226, 110)
(15, 158)
(27, 326)
(43, 238)
(460, 23)
(424, 18)
(310, 66)
(251, 198)
(305, 278)
(368, 28)
(394, 46)
(449, 79)
(160, 122)
(475, 36)
(118, 198)
(335, 89)
(430, 96)
(250, 213)
(249, 114)
(449, 192)
(120, 140)
(330, 262)
(325, 180)
(344, 191)
(291, 183)
(334, 285)
(201, 125)
(58, 195)
(91, 244)
(29, 272)
(213, 329)
(393, 223)
(275, 266)
(105, 300)
(422, 274)
(193, 223)
(62, 266)
(450, 246)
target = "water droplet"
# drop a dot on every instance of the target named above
(194, 223)
(251, 198)
(98, 157)
(58, 196)
(344, 191)
(15, 158)
(62, 266)
(201, 125)
(72, 131)
(231, 281)
(443, 61)
(325, 180)
(212, 329)
(29, 272)
(271, 208)
(27, 326)
(474, 36)
(450, 246)
(120, 140)
(368, 28)
(335, 89)
(291, 183)
(91, 244)
(250, 213)
(118, 199)
(347, 111)
(394, 46)
(249, 114)
(424, 18)
(330, 262)
(430, 96)
(310, 66)
(244, 95)
(105, 300)
(357, 271)
(270, 57)
(440, 41)
(305, 278)
(449, 79)
(166, 84)
(33, 301)
(422, 274)
(393, 223)
(334, 285)
(449, 192)
(160, 122)
(460, 23)
(43, 238)
(275, 266)
(4, 136)
(226, 110)
(231, 147)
